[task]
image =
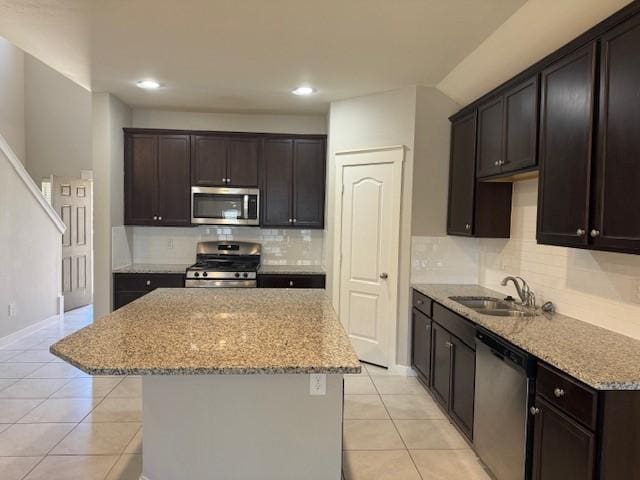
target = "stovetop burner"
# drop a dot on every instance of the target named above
(225, 264)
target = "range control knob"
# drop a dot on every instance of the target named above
(245, 274)
(237, 275)
(205, 274)
(196, 274)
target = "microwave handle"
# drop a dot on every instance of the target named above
(246, 207)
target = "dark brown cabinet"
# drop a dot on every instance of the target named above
(508, 131)
(220, 161)
(293, 182)
(280, 280)
(421, 345)
(157, 180)
(562, 447)
(128, 287)
(463, 372)
(566, 126)
(475, 209)
(441, 367)
(615, 220)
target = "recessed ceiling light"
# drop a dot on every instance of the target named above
(148, 84)
(303, 91)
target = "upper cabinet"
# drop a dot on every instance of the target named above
(157, 180)
(293, 182)
(566, 126)
(508, 131)
(615, 220)
(575, 113)
(219, 161)
(475, 209)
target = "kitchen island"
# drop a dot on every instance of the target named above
(228, 377)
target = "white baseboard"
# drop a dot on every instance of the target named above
(402, 370)
(20, 334)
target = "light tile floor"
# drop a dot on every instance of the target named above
(57, 423)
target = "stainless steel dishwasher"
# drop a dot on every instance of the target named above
(505, 384)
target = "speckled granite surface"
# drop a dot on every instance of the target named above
(152, 268)
(292, 269)
(603, 359)
(215, 331)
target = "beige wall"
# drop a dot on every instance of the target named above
(30, 256)
(537, 29)
(431, 162)
(12, 115)
(58, 120)
(239, 122)
(377, 120)
(110, 115)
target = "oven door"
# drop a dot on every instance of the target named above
(225, 206)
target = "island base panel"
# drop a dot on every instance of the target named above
(230, 427)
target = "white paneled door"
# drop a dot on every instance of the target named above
(369, 239)
(71, 198)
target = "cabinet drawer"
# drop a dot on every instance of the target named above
(565, 393)
(455, 324)
(291, 281)
(422, 303)
(145, 282)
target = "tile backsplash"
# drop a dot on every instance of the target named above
(601, 288)
(178, 245)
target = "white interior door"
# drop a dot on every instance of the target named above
(369, 244)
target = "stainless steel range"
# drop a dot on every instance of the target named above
(224, 265)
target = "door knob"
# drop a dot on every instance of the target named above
(595, 233)
(384, 276)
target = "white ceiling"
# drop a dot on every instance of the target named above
(246, 55)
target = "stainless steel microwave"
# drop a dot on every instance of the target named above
(225, 206)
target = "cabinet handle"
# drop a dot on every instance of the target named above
(558, 392)
(534, 411)
(148, 282)
(580, 232)
(595, 233)
(291, 283)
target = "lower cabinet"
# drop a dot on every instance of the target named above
(562, 447)
(421, 345)
(441, 367)
(463, 373)
(273, 280)
(128, 287)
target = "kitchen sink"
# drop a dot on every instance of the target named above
(494, 307)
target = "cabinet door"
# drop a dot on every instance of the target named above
(141, 180)
(566, 118)
(277, 183)
(308, 183)
(421, 344)
(616, 220)
(521, 126)
(562, 448)
(242, 166)
(174, 189)
(463, 375)
(490, 137)
(462, 176)
(209, 161)
(441, 368)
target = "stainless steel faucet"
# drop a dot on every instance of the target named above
(527, 297)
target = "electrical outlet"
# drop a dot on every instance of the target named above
(318, 384)
(13, 310)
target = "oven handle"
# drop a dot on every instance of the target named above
(246, 206)
(200, 283)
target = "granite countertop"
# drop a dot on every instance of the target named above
(215, 331)
(292, 269)
(602, 359)
(153, 268)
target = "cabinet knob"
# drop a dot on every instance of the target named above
(448, 344)
(496, 163)
(468, 226)
(155, 217)
(159, 218)
(580, 232)
(148, 282)
(534, 410)
(291, 283)
(595, 233)
(420, 302)
(228, 180)
(291, 220)
(224, 180)
(427, 327)
(295, 220)
(558, 392)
